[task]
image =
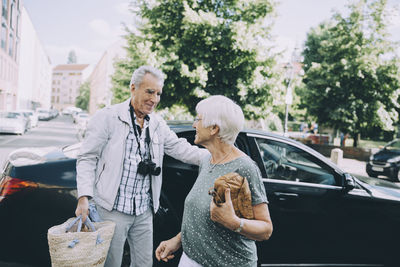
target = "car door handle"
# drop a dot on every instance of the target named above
(285, 196)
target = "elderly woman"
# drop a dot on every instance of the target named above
(213, 235)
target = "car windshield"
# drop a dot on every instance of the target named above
(9, 115)
(395, 145)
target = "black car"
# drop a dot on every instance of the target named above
(321, 215)
(386, 162)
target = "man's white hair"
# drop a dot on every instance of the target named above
(222, 111)
(138, 74)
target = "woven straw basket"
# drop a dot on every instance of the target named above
(79, 248)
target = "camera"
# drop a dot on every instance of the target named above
(148, 167)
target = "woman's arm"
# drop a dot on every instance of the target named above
(258, 229)
(166, 248)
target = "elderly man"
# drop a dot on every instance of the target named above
(119, 166)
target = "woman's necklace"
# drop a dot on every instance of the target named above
(213, 165)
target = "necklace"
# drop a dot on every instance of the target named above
(213, 165)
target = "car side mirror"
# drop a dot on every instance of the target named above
(349, 182)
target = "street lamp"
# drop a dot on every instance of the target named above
(289, 92)
(289, 97)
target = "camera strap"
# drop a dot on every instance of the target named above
(147, 138)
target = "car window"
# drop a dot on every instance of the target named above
(9, 115)
(395, 145)
(286, 162)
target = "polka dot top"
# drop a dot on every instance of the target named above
(207, 242)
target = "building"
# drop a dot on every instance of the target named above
(66, 81)
(9, 53)
(100, 79)
(34, 82)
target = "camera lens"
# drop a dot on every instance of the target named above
(156, 171)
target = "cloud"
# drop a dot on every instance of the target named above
(124, 8)
(394, 17)
(100, 26)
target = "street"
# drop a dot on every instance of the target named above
(57, 132)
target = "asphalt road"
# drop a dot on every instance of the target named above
(57, 132)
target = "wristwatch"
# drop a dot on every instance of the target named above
(239, 229)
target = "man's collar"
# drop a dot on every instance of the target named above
(146, 117)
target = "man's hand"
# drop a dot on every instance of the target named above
(82, 208)
(224, 214)
(166, 248)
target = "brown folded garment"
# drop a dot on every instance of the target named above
(240, 193)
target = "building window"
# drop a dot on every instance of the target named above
(17, 26)
(52, 99)
(4, 9)
(3, 36)
(11, 45)
(12, 16)
(16, 51)
(58, 99)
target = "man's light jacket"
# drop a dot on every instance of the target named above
(100, 159)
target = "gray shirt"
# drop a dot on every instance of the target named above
(207, 242)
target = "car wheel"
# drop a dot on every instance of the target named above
(396, 177)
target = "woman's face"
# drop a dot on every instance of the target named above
(202, 133)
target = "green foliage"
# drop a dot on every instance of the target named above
(351, 75)
(82, 100)
(204, 48)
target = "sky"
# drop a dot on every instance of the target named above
(91, 26)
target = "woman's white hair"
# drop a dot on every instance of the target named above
(138, 74)
(220, 110)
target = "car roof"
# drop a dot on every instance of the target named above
(182, 128)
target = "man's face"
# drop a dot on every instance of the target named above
(147, 96)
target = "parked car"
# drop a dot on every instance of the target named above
(70, 110)
(32, 116)
(12, 122)
(44, 114)
(321, 215)
(77, 114)
(25, 117)
(386, 161)
(53, 113)
(82, 118)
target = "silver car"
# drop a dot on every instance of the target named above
(12, 122)
(32, 115)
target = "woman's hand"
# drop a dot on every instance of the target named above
(166, 248)
(225, 214)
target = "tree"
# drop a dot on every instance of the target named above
(82, 100)
(72, 57)
(204, 48)
(351, 73)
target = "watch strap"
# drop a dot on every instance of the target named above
(239, 229)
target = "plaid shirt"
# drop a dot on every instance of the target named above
(134, 196)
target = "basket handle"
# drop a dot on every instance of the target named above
(88, 223)
(78, 219)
